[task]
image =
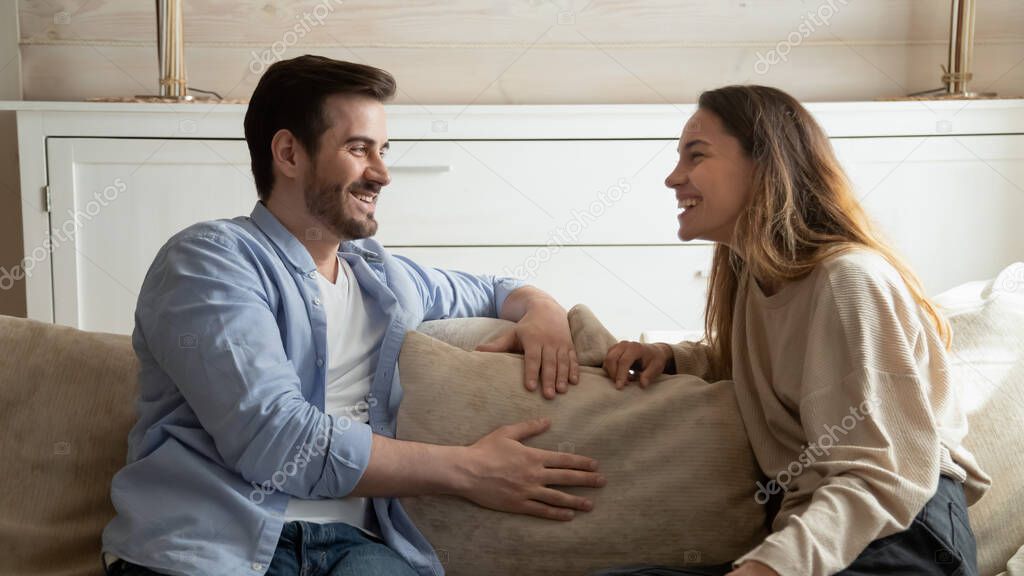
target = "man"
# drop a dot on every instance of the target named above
(268, 349)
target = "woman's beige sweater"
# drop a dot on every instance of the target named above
(845, 391)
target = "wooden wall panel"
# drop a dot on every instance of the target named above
(528, 51)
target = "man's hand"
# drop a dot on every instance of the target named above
(753, 568)
(652, 360)
(542, 335)
(500, 473)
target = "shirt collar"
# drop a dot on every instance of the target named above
(294, 252)
(352, 247)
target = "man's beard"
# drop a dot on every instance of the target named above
(326, 203)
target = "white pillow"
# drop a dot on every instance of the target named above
(987, 359)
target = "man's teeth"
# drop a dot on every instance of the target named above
(368, 198)
(689, 202)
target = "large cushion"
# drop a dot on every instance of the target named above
(988, 362)
(66, 404)
(681, 474)
(465, 333)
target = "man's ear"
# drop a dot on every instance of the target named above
(288, 154)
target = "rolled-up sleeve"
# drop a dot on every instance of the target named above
(205, 317)
(453, 294)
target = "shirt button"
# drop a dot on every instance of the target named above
(311, 275)
(316, 301)
(320, 362)
(257, 566)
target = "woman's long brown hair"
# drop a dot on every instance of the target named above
(802, 209)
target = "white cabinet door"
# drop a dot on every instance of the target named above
(631, 289)
(519, 192)
(115, 203)
(951, 205)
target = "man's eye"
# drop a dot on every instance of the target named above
(383, 152)
(360, 150)
(696, 155)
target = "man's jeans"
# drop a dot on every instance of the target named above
(938, 542)
(309, 549)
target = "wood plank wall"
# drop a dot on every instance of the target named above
(528, 51)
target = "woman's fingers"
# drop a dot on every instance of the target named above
(611, 359)
(625, 363)
(654, 364)
(626, 356)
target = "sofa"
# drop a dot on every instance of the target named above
(67, 404)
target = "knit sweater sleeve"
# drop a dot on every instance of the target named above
(694, 358)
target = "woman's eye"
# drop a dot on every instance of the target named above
(696, 155)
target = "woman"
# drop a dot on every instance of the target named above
(839, 359)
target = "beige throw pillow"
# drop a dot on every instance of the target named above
(681, 474)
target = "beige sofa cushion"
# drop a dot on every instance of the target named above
(66, 403)
(681, 474)
(988, 362)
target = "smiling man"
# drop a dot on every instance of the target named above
(269, 345)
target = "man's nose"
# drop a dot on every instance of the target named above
(377, 172)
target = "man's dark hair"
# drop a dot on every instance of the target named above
(291, 95)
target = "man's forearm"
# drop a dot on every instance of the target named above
(497, 471)
(401, 468)
(520, 301)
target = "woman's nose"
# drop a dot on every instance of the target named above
(676, 178)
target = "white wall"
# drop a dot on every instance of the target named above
(529, 51)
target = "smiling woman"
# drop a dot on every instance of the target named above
(711, 179)
(815, 318)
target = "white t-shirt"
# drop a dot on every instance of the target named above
(355, 331)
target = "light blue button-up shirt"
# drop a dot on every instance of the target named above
(232, 346)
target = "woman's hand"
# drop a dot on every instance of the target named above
(753, 568)
(621, 357)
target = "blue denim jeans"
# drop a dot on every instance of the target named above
(307, 549)
(938, 542)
